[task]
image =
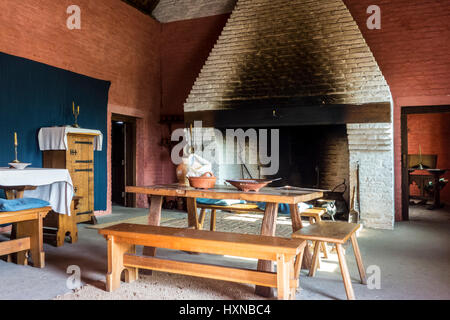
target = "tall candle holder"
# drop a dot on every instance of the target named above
(15, 148)
(15, 153)
(75, 114)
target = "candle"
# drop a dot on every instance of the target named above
(15, 139)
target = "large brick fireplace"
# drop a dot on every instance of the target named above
(304, 68)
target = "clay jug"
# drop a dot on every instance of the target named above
(181, 172)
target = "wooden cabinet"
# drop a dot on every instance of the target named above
(79, 160)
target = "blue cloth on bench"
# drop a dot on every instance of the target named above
(20, 204)
(219, 202)
(283, 208)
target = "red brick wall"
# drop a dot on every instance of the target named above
(432, 133)
(185, 47)
(413, 52)
(151, 66)
(116, 43)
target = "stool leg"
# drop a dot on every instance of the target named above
(298, 264)
(323, 245)
(324, 249)
(345, 273)
(293, 284)
(201, 219)
(212, 226)
(315, 259)
(362, 272)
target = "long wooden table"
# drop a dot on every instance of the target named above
(271, 196)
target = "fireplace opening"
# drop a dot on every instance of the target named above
(312, 156)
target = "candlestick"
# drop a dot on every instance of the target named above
(15, 148)
(75, 114)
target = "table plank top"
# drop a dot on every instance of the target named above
(268, 194)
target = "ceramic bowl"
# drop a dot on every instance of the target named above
(19, 165)
(249, 184)
(203, 182)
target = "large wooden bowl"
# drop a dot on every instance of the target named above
(203, 182)
(249, 184)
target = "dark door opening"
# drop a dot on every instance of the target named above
(123, 159)
(418, 154)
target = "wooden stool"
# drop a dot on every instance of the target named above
(315, 215)
(337, 233)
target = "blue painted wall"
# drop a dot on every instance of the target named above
(35, 95)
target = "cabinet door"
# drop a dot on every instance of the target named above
(81, 151)
(80, 162)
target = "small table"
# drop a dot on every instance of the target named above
(52, 185)
(271, 196)
(435, 175)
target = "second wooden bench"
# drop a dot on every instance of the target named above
(123, 238)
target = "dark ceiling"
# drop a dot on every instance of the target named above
(146, 6)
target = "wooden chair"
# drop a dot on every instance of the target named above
(29, 236)
(123, 238)
(338, 233)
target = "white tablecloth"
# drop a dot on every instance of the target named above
(55, 138)
(53, 185)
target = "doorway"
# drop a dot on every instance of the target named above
(123, 159)
(424, 144)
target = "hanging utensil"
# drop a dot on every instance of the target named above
(358, 193)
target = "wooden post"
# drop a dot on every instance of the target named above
(154, 219)
(268, 228)
(297, 225)
(202, 218)
(192, 213)
(212, 226)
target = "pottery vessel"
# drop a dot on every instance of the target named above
(181, 172)
(203, 182)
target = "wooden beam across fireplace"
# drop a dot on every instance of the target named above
(292, 116)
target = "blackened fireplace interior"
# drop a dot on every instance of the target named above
(314, 157)
(311, 156)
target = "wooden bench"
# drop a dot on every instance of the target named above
(314, 215)
(29, 236)
(338, 233)
(123, 238)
